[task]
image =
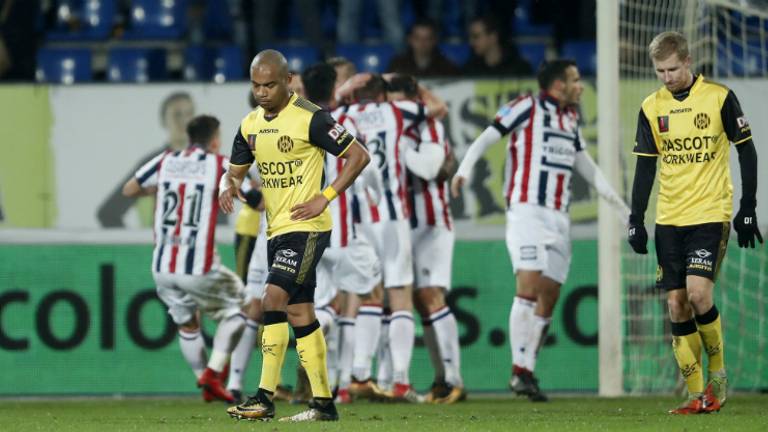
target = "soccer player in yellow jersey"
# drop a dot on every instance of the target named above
(686, 127)
(287, 137)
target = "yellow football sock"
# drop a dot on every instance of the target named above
(274, 343)
(711, 332)
(312, 353)
(686, 344)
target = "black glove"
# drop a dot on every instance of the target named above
(745, 224)
(637, 235)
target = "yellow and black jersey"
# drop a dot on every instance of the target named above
(248, 221)
(689, 133)
(289, 150)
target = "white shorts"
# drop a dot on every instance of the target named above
(354, 269)
(433, 256)
(218, 294)
(326, 275)
(258, 267)
(538, 238)
(392, 241)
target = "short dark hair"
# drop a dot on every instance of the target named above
(428, 23)
(404, 83)
(375, 87)
(490, 24)
(171, 98)
(319, 81)
(202, 129)
(550, 71)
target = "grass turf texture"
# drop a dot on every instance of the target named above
(743, 413)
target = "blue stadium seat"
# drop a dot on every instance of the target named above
(584, 53)
(733, 61)
(136, 65)
(154, 19)
(96, 18)
(228, 64)
(534, 53)
(218, 24)
(63, 65)
(298, 56)
(213, 64)
(198, 63)
(522, 22)
(457, 53)
(367, 58)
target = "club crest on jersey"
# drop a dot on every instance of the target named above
(701, 121)
(252, 141)
(285, 144)
(663, 123)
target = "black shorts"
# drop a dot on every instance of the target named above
(293, 259)
(689, 250)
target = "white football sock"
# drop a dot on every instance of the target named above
(224, 341)
(347, 344)
(241, 356)
(401, 334)
(326, 316)
(333, 360)
(430, 341)
(367, 332)
(384, 357)
(447, 332)
(520, 324)
(193, 349)
(538, 335)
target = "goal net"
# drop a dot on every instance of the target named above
(727, 41)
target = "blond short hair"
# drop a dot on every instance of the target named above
(667, 43)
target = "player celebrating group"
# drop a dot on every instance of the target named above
(545, 146)
(688, 123)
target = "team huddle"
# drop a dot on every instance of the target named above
(345, 229)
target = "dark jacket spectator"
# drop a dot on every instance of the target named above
(422, 58)
(491, 56)
(18, 39)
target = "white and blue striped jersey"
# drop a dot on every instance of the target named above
(429, 200)
(186, 209)
(543, 143)
(381, 126)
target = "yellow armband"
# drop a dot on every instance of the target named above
(330, 193)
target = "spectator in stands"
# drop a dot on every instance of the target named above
(422, 58)
(265, 22)
(350, 12)
(491, 54)
(18, 39)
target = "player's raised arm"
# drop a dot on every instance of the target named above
(512, 116)
(332, 137)
(144, 182)
(230, 183)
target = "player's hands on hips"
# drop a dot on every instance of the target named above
(637, 235)
(745, 224)
(308, 210)
(456, 184)
(227, 191)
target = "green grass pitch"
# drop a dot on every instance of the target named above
(743, 413)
